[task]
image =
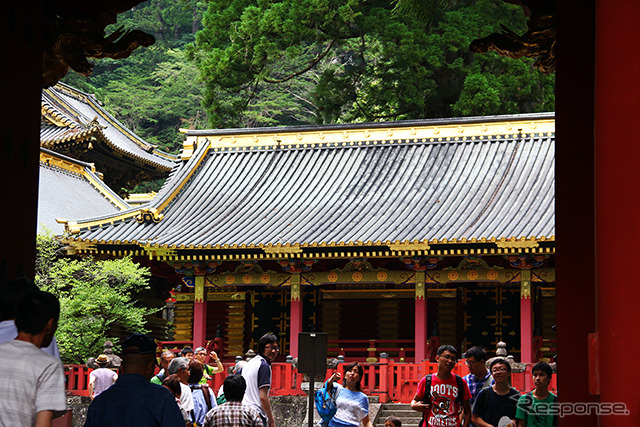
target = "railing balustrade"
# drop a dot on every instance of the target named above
(360, 350)
(391, 381)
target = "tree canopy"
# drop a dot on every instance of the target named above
(325, 61)
(286, 62)
(95, 297)
(156, 90)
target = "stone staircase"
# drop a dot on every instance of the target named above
(403, 411)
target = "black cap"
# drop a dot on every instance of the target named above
(138, 344)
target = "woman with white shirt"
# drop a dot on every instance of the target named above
(352, 403)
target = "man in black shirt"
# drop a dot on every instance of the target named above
(495, 406)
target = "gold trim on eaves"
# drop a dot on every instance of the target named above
(162, 253)
(345, 136)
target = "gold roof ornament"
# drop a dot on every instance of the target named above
(149, 216)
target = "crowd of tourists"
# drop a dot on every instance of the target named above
(187, 400)
(484, 397)
(32, 382)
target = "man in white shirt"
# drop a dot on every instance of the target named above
(257, 374)
(11, 290)
(31, 381)
(180, 366)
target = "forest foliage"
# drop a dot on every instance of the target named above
(249, 63)
(96, 297)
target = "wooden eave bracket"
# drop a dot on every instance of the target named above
(69, 226)
(158, 251)
(77, 246)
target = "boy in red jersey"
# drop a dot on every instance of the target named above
(440, 396)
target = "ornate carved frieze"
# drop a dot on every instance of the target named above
(358, 264)
(249, 267)
(294, 265)
(431, 279)
(526, 261)
(418, 263)
(192, 269)
(472, 263)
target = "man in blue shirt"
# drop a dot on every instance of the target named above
(479, 376)
(133, 400)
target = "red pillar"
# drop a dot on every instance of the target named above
(526, 317)
(296, 315)
(617, 185)
(296, 326)
(575, 219)
(199, 314)
(421, 333)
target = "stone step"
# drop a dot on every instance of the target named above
(399, 406)
(409, 417)
(408, 413)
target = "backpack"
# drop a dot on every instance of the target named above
(207, 399)
(205, 392)
(326, 402)
(427, 394)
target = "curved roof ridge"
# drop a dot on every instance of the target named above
(375, 125)
(445, 189)
(94, 105)
(160, 202)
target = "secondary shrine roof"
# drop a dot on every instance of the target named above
(401, 185)
(69, 188)
(74, 122)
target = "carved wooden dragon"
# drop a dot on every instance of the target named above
(69, 41)
(538, 42)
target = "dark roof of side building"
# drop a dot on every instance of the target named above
(404, 186)
(75, 124)
(69, 188)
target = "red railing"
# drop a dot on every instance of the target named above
(77, 379)
(360, 350)
(391, 381)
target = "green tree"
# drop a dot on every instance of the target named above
(155, 104)
(95, 297)
(359, 61)
(156, 90)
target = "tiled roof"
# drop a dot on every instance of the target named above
(69, 189)
(72, 115)
(419, 182)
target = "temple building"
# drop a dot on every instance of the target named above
(76, 125)
(389, 237)
(596, 177)
(89, 160)
(70, 188)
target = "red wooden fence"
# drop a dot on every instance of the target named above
(391, 381)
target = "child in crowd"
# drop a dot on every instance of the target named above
(535, 409)
(392, 421)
